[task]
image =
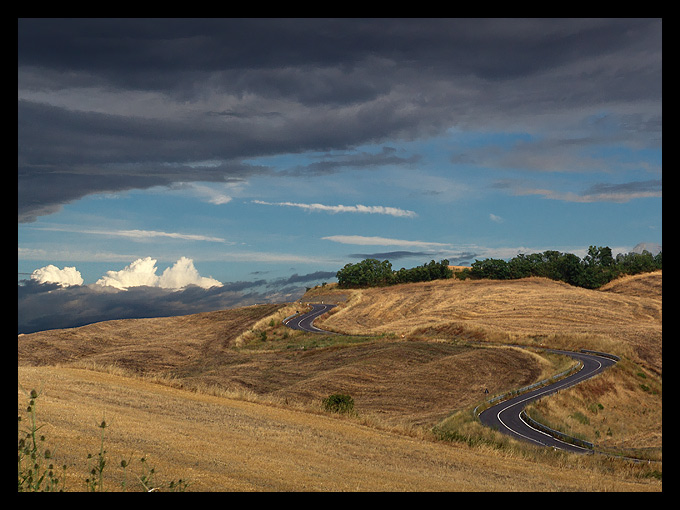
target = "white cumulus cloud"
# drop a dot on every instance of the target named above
(184, 273)
(142, 272)
(52, 274)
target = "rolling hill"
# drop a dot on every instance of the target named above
(230, 398)
(623, 317)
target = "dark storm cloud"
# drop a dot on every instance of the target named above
(333, 163)
(627, 187)
(44, 306)
(108, 105)
(319, 276)
(143, 53)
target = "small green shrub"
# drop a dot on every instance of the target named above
(338, 403)
(580, 417)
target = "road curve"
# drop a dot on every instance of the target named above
(305, 322)
(505, 416)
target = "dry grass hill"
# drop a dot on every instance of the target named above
(623, 317)
(231, 400)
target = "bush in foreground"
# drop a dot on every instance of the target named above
(338, 403)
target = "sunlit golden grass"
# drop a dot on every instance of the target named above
(403, 383)
(232, 398)
(144, 345)
(620, 411)
(619, 318)
(222, 444)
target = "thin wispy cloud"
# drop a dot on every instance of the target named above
(332, 163)
(382, 241)
(211, 195)
(137, 234)
(608, 196)
(142, 234)
(623, 192)
(263, 257)
(362, 209)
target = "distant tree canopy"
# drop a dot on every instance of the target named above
(367, 273)
(374, 273)
(594, 270)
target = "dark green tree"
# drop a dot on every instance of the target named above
(597, 267)
(570, 270)
(367, 273)
(635, 263)
(496, 269)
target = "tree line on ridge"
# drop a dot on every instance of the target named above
(598, 267)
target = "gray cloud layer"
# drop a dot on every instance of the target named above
(108, 105)
(44, 306)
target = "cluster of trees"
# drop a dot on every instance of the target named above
(594, 270)
(374, 273)
(425, 273)
(598, 267)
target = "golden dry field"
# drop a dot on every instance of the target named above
(222, 444)
(404, 383)
(624, 317)
(231, 400)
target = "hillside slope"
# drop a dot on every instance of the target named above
(221, 444)
(406, 383)
(143, 345)
(646, 285)
(625, 317)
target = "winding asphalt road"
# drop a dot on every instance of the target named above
(504, 416)
(305, 322)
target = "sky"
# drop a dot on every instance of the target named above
(171, 166)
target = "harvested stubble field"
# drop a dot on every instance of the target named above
(624, 316)
(404, 383)
(231, 400)
(222, 444)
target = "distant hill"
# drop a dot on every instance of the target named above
(653, 248)
(628, 313)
